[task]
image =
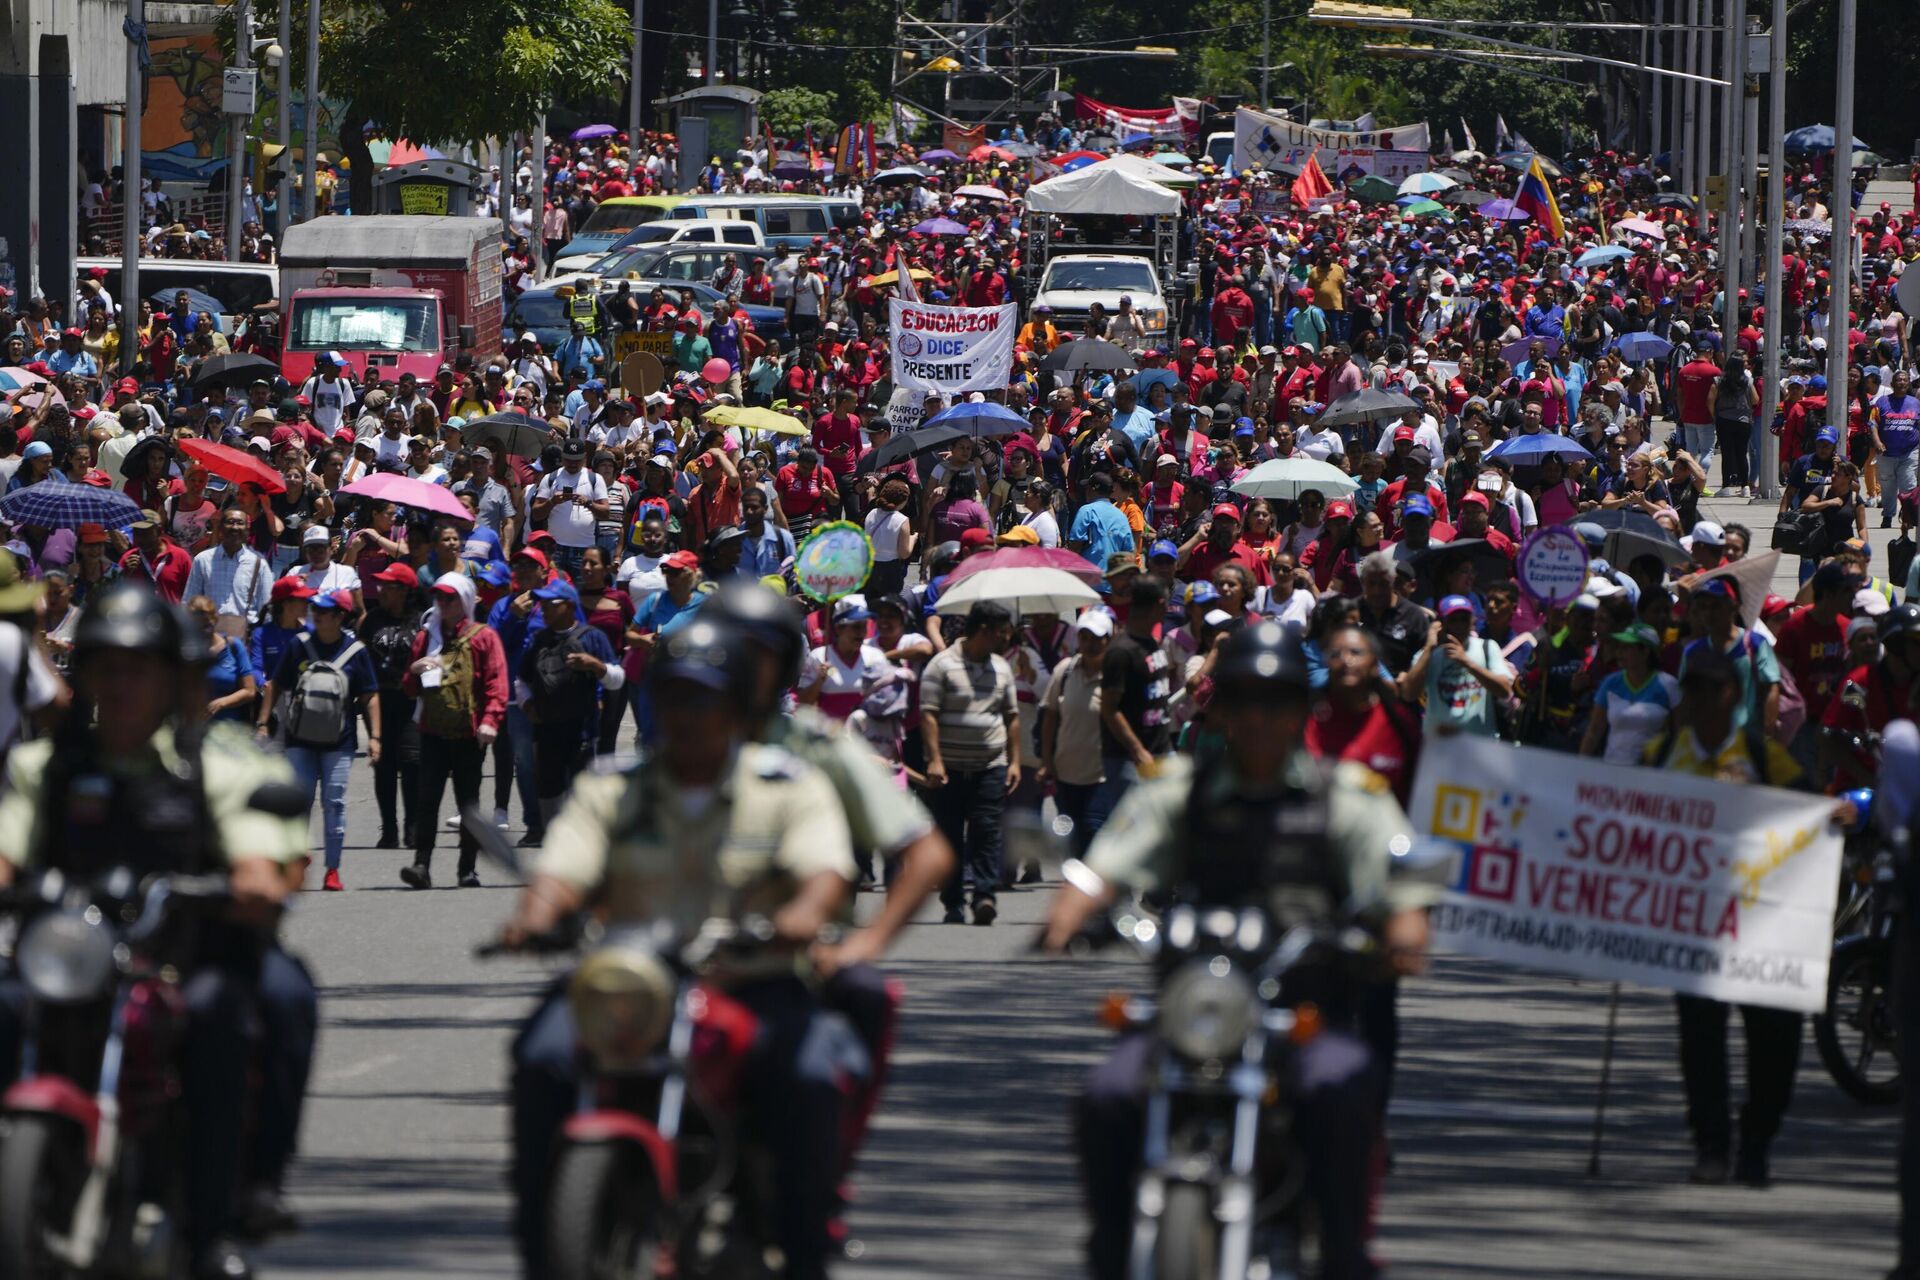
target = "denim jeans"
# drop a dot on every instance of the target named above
(967, 810)
(1262, 321)
(1699, 439)
(569, 558)
(1897, 475)
(520, 736)
(284, 558)
(329, 768)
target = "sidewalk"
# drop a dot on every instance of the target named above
(1758, 515)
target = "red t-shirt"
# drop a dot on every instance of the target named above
(1377, 737)
(1206, 558)
(1694, 380)
(831, 431)
(1815, 652)
(801, 496)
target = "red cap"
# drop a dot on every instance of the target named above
(970, 538)
(97, 479)
(536, 555)
(1403, 433)
(1474, 498)
(292, 589)
(283, 435)
(128, 385)
(344, 435)
(399, 572)
(1339, 509)
(91, 532)
(682, 561)
(541, 535)
(1226, 511)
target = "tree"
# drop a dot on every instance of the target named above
(788, 111)
(459, 72)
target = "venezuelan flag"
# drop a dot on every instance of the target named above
(1535, 195)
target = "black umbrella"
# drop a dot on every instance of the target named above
(1632, 533)
(1438, 560)
(1470, 197)
(234, 370)
(1083, 354)
(1369, 404)
(1673, 200)
(911, 444)
(134, 465)
(509, 432)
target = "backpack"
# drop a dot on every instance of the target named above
(446, 709)
(560, 694)
(319, 711)
(1793, 707)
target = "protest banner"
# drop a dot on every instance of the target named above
(834, 561)
(951, 350)
(627, 341)
(1261, 140)
(1633, 874)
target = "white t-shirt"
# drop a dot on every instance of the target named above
(1046, 525)
(809, 295)
(883, 527)
(640, 577)
(843, 676)
(570, 524)
(329, 401)
(390, 448)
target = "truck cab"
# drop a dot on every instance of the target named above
(395, 331)
(1073, 282)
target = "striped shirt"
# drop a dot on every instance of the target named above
(973, 701)
(237, 584)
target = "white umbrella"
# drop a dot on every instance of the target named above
(1423, 184)
(980, 192)
(1287, 477)
(1026, 590)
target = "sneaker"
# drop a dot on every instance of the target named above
(500, 819)
(531, 840)
(1030, 874)
(1752, 1168)
(222, 1260)
(389, 839)
(470, 880)
(264, 1212)
(452, 823)
(984, 912)
(954, 915)
(416, 876)
(1709, 1169)
(332, 883)
(1706, 492)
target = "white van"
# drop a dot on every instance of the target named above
(239, 286)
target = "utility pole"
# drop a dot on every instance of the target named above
(1733, 39)
(132, 217)
(1749, 81)
(237, 128)
(713, 43)
(1840, 265)
(284, 94)
(311, 114)
(636, 110)
(1776, 211)
(1266, 50)
(1690, 107)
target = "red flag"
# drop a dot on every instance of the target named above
(1312, 183)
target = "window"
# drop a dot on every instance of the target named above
(742, 234)
(811, 220)
(619, 218)
(779, 222)
(703, 234)
(1102, 276)
(374, 324)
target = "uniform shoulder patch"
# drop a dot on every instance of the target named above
(775, 764)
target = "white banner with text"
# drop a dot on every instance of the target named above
(951, 350)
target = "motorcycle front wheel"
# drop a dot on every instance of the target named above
(603, 1219)
(43, 1163)
(1189, 1240)
(1856, 1035)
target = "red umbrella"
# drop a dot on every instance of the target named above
(236, 465)
(1071, 156)
(1028, 558)
(985, 152)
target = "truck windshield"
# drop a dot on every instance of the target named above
(375, 324)
(1100, 277)
(617, 217)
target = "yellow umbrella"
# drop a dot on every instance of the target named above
(757, 419)
(893, 277)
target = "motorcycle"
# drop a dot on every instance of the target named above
(1856, 1033)
(652, 1176)
(92, 1135)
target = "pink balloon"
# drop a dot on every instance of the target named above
(717, 371)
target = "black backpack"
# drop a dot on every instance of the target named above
(560, 693)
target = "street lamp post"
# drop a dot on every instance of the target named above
(1840, 264)
(130, 183)
(284, 95)
(1734, 40)
(237, 129)
(636, 108)
(311, 114)
(1776, 211)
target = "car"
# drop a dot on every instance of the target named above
(674, 263)
(543, 312)
(733, 232)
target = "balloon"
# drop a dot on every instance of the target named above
(717, 371)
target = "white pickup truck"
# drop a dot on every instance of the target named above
(1074, 282)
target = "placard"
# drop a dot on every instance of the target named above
(642, 372)
(834, 561)
(1552, 565)
(905, 409)
(424, 197)
(951, 350)
(657, 345)
(1633, 874)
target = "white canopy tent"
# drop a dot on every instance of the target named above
(1102, 189)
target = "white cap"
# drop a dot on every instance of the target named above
(1869, 602)
(1216, 617)
(1095, 622)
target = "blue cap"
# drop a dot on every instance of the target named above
(1722, 587)
(1243, 431)
(1163, 548)
(1417, 505)
(1242, 424)
(558, 589)
(1594, 535)
(1826, 435)
(494, 573)
(1454, 604)
(593, 384)
(1201, 593)
(1818, 382)
(217, 415)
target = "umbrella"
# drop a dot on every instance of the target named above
(901, 173)
(1503, 211)
(13, 378)
(1799, 226)
(1600, 255)
(1455, 175)
(1466, 197)
(1171, 159)
(197, 301)
(1092, 157)
(1058, 95)
(1632, 533)
(1814, 139)
(940, 227)
(985, 152)
(1089, 353)
(588, 132)
(1425, 184)
(234, 370)
(1534, 448)
(1079, 162)
(1642, 346)
(134, 465)
(1489, 564)
(1288, 477)
(757, 419)
(911, 444)
(1373, 189)
(1523, 160)
(1468, 156)
(1424, 209)
(1058, 559)
(939, 155)
(57, 503)
(977, 192)
(1025, 590)
(1641, 227)
(236, 465)
(510, 433)
(1516, 351)
(1147, 377)
(1020, 150)
(893, 277)
(1368, 404)
(982, 419)
(1673, 200)
(405, 491)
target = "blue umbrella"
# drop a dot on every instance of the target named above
(1643, 346)
(983, 419)
(1602, 255)
(1078, 162)
(1534, 448)
(61, 504)
(1814, 139)
(198, 301)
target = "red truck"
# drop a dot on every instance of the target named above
(400, 293)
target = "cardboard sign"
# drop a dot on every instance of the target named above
(424, 197)
(1552, 565)
(834, 561)
(905, 409)
(657, 345)
(642, 372)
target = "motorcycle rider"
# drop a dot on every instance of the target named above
(1263, 824)
(1896, 811)
(1871, 698)
(712, 825)
(145, 787)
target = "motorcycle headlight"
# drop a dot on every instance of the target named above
(65, 957)
(1207, 1009)
(622, 1001)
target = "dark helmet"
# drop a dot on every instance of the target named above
(945, 556)
(707, 652)
(129, 618)
(766, 618)
(1901, 620)
(1264, 656)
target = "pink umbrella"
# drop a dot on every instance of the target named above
(408, 492)
(1028, 558)
(1641, 226)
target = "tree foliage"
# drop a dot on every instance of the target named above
(791, 109)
